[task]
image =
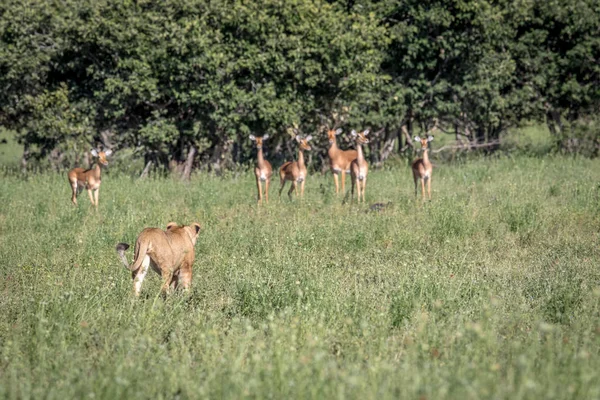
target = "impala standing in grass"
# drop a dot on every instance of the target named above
(263, 170)
(359, 167)
(422, 168)
(339, 160)
(295, 171)
(80, 178)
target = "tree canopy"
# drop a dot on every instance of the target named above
(176, 78)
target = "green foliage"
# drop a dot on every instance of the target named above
(168, 78)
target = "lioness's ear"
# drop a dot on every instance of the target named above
(171, 225)
(196, 227)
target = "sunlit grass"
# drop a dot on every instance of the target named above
(492, 290)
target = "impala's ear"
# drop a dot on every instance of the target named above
(298, 138)
(338, 131)
(353, 133)
(366, 132)
(309, 138)
(107, 153)
(429, 138)
(265, 137)
(94, 152)
(171, 225)
(417, 139)
(252, 137)
(196, 227)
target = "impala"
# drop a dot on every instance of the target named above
(422, 168)
(295, 171)
(263, 170)
(359, 167)
(88, 178)
(339, 160)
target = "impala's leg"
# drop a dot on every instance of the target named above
(141, 274)
(267, 190)
(74, 189)
(91, 196)
(281, 188)
(343, 181)
(354, 183)
(292, 188)
(423, 188)
(96, 194)
(259, 188)
(429, 187)
(302, 189)
(335, 179)
(415, 179)
(364, 186)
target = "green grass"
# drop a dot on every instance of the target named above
(492, 290)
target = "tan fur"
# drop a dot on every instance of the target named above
(339, 160)
(422, 168)
(89, 179)
(170, 253)
(295, 171)
(359, 167)
(263, 170)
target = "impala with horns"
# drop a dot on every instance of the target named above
(339, 160)
(89, 179)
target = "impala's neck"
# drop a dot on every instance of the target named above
(300, 158)
(260, 158)
(97, 170)
(333, 149)
(426, 155)
(360, 157)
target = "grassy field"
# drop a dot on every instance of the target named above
(492, 290)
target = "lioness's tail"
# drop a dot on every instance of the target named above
(121, 248)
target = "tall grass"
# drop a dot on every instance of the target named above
(492, 290)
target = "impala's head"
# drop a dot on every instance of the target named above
(259, 140)
(101, 155)
(304, 142)
(424, 141)
(361, 137)
(331, 134)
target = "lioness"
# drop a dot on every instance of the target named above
(169, 252)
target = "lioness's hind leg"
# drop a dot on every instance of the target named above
(167, 277)
(141, 274)
(185, 277)
(174, 282)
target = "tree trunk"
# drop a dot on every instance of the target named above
(146, 170)
(25, 157)
(187, 170)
